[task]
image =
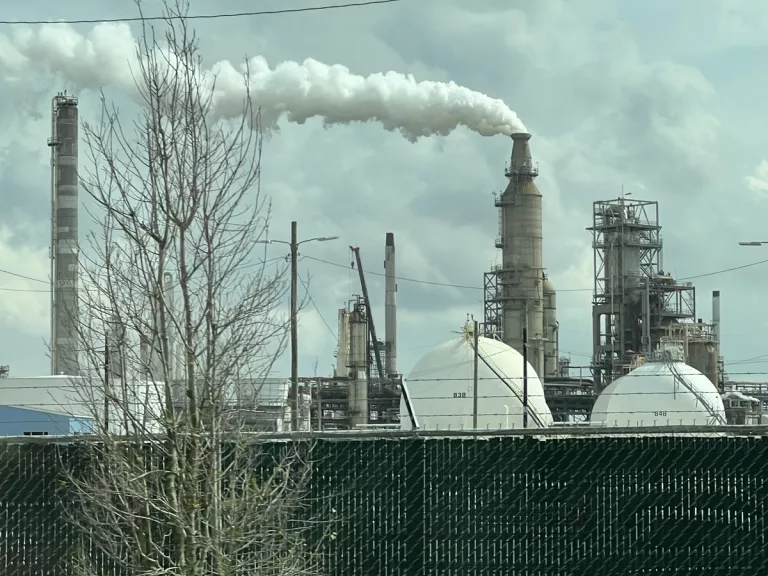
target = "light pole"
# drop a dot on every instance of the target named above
(752, 243)
(294, 245)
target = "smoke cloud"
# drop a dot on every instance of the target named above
(291, 90)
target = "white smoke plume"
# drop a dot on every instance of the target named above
(294, 91)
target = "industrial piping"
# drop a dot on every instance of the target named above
(64, 236)
(390, 307)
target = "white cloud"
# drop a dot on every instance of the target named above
(608, 106)
(758, 180)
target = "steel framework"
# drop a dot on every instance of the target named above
(493, 312)
(634, 300)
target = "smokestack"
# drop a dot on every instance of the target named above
(716, 318)
(178, 357)
(175, 366)
(522, 270)
(390, 306)
(64, 236)
(144, 356)
(155, 350)
(521, 160)
(117, 345)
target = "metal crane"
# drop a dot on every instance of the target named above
(375, 341)
(371, 327)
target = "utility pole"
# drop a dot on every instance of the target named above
(525, 378)
(476, 337)
(294, 329)
(294, 246)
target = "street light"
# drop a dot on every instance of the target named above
(752, 243)
(294, 245)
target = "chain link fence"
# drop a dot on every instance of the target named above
(556, 503)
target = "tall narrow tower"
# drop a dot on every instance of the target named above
(517, 300)
(390, 306)
(64, 236)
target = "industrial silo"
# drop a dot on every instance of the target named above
(441, 388)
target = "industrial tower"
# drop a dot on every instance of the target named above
(64, 235)
(514, 291)
(635, 304)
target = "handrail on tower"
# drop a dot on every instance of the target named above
(531, 410)
(716, 418)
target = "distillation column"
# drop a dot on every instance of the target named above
(358, 365)
(551, 329)
(520, 278)
(342, 353)
(64, 236)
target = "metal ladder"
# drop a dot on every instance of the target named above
(531, 410)
(715, 418)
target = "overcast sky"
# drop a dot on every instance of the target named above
(666, 99)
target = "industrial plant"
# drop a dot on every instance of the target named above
(654, 360)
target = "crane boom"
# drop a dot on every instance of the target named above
(371, 327)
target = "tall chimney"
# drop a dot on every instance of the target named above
(716, 318)
(64, 236)
(117, 343)
(390, 306)
(521, 276)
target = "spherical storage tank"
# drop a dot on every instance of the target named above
(441, 388)
(660, 394)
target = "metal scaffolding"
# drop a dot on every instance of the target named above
(493, 312)
(634, 300)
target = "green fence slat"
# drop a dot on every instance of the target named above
(512, 506)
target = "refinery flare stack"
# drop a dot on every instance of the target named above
(519, 301)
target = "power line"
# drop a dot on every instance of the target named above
(9, 273)
(312, 300)
(466, 287)
(217, 16)
(413, 280)
(23, 290)
(724, 270)
(401, 278)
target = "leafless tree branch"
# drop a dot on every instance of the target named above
(174, 320)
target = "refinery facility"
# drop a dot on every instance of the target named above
(655, 362)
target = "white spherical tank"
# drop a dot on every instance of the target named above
(660, 394)
(441, 388)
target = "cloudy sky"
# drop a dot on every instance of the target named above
(666, 99)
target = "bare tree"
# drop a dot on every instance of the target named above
(174, 317)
